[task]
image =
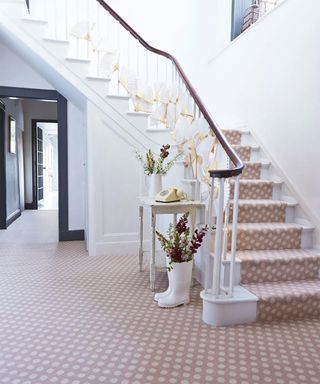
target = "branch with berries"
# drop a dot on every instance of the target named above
(153, 164)
(180, 246)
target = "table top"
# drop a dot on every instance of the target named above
(183, 203)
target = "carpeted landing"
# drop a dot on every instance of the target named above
(68, 318)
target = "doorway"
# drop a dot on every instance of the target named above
(62, 164)
(45, 164)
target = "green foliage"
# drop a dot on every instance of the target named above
(157, 165)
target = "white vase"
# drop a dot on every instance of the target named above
(154, 185)
(180, 285)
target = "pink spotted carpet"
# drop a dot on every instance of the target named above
(68, 318)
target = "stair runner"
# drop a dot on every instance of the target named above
(284, 277)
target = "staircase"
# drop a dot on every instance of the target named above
(278, 273)
(272, 245)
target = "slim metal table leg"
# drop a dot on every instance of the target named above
(141, 238)
(153, 252)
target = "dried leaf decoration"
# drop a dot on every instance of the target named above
(109, 63)
(82, 30)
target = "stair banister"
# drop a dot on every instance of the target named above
(218, 173)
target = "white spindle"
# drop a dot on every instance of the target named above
(147, 67)
(138, 58)
(128, 48)
(157, 67)
(234, 235)
(172, 73)
(66, 20)
(225, 229)
(166, 61)
(209, 222)
(218, 242)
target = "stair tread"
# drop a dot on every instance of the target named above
(275, 255)
(259, 162)
(254, 181)
(265, 202)
(251, 146)
(267, 226)
(284, 289)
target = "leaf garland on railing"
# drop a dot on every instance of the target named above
(83, 30)
(167, 104)
(195, 140)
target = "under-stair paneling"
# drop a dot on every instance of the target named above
(113, 186)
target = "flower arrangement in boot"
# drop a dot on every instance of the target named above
(153, 164)
(180, 247)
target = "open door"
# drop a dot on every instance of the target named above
(3, 188)
(39, 165)
(45, 164)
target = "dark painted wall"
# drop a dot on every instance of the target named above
(14, 109)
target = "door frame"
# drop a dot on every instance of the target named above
(34, 122)
(65, 234)
(3, 176)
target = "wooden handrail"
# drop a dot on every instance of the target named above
(219, 173)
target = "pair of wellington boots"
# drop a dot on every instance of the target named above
(178, 291)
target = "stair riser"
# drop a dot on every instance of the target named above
(249, 153)
(233, 137)
(244, 153)
(79, 68)
(139, 121)
(34, 28)
(15, 9)
(59, 49)
(289, 308)
(252, 171)
(260, 214)
(100, 86)
(289, 238)
(120, 104)
(254, 192)
(253, 271)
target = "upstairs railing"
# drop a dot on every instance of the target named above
(157, 85)
(258, 9)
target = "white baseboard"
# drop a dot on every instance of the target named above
(107, 248)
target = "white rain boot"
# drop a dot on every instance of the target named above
(180, 282)
(160, 295)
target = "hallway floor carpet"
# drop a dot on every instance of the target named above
(68, 318)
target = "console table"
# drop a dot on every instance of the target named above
(155, 209)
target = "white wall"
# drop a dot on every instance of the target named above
(167, 25)
(14, 72)
(192, 30)
(268, 79)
